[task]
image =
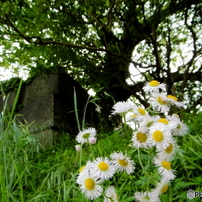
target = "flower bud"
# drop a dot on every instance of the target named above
(92, 140)
(78, 147)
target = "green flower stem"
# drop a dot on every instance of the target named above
(144, 171)
(125, 125)
(91, 149)
(80, 156)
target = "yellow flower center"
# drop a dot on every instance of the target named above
(103, 166)
(153, 83)
(86, 135)
(166, 165)
(123, 162)
(133, 115)
(81, 169)
(141, 137)
(161, 101)
(141, 111)
(163, 120)
(157, 136)
(172, 97)
(89, 184)
(169, 149)
(179, 126)
(164, 188)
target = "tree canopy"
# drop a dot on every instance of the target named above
(102, 43)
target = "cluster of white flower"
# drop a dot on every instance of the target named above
(157, 131)
(96, 172)
(92, 176)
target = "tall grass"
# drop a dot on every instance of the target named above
(28, 173)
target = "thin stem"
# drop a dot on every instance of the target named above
(84, 115)
(144, 171)
(91, 149)
(138, 150)
(76, 110)
(15, 101)
(125, 125)
(80, 156)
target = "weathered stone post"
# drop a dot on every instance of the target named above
(48, 104)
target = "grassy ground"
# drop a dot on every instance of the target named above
(28, 173)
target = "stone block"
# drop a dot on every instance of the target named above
(39, 87)
(48, 105)
(39, 112)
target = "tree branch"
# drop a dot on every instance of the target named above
(194, 37)
(132, 89)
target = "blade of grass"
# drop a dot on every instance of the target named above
(76, 110)
(84, 115)
(15, 101)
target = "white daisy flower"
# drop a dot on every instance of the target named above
(168, 153)
(122, 107)
(169, 124)
(165, 168)
(173, 101)
(139, 113)
(146, 197)
(110, 195)
(85, 135)
(131, 116)
(132, 124)
(160, 135)
(154, 86)
(162, 187)
(122, 162)
(148, 122)
(86, 167)
(90, 185)
(103, 168)
(159, 102)
(81, 169)
(181, 128)
(140, 139)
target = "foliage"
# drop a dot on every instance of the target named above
(98, 42)
(29, 173)
(11, 84)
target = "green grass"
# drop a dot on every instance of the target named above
(28, 173)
